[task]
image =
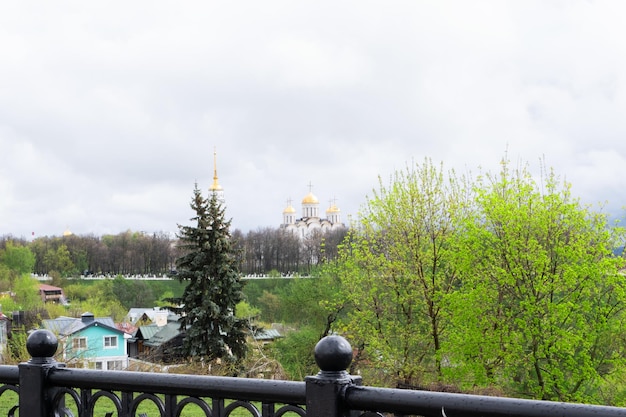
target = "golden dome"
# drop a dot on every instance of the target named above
(67, 232)
(333, 209)
(289, 209)
(310, 199)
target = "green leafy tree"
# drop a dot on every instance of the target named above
(56, 279)
(18, 258)
(315, 303)
(6, 276)
(540, 310)
(209, 266)
(77, 292)
(59, 260)
(26, 291)
(16, 352)
(397, 268)
(270, 306)
(295, 353)
(132, 293)
(79, 260)
(162, 301)
(246, 311)
(98, 299)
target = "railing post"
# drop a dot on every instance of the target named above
(34, 398)
(324, 392)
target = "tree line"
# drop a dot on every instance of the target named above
(274, 249)
(262, 251)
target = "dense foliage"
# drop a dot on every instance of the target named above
(508, 282)
(540, 309)
(17, 258)
(398, 267)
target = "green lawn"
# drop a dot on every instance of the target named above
(104, 405)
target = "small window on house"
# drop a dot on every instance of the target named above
(98, 365)
(110, 341)
(79, 343)
(114, 365)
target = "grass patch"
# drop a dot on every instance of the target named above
(104, 405)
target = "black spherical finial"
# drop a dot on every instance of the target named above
(42, 345)
(333, 354)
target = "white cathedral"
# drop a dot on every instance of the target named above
(311, 219)
(301, 227)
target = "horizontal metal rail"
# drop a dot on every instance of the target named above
(427, 403)
(286, 392)
(9, 374)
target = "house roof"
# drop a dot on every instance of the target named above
(47, 287)
(126, 328)
(135, 314)
(267, 334)
(65, 326)
(147, 331)
(164, 335)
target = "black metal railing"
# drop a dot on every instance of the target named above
(44, 387)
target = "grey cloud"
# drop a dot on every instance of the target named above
(110, 113)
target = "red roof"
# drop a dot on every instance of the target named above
(47, 287)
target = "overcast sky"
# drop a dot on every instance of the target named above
(110, 111)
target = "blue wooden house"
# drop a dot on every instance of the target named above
(90, 342)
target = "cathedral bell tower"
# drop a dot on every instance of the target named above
(216, 188)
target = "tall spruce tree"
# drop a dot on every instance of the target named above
(214, 288)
